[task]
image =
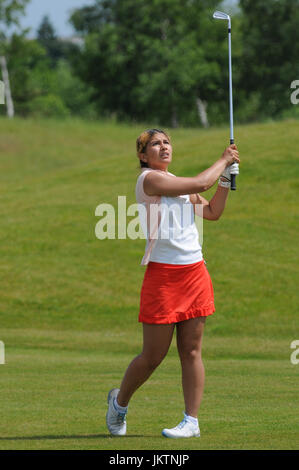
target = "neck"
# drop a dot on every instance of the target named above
(160, 169)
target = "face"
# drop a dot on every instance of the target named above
(158, 153)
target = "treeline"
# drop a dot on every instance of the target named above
(161, 61)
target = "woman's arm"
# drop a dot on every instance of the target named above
(213, 209)
(159, 184)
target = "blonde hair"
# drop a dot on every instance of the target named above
(144, 139)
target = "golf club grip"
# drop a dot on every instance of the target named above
(233, 185)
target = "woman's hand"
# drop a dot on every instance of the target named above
(231, 155)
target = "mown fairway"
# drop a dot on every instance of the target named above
(69, 302)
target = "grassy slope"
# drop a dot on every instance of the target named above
(69, 302)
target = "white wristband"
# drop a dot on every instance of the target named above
(223, 184)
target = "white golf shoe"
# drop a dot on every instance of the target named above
(116, 421)
(184, 429)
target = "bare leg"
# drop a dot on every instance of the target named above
(189, 340)
(156, 342)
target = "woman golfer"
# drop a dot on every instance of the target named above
(177, 290)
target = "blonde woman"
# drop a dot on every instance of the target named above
(177, 290)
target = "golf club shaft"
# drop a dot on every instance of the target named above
(233, 186)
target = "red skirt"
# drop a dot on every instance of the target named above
(172, 293)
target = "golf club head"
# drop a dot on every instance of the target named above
(219, 15)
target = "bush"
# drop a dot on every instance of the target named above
(48, 106)
(74, 93)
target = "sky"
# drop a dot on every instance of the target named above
(57, 10)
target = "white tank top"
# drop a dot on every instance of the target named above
(169, 226)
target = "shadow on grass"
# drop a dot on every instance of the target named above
(89, 436)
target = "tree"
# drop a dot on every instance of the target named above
(153, 62)
(42, 90)
(9, 15)
(29, 71)
(10, 10)
(6, 89)
(46, 36)
(270, 52)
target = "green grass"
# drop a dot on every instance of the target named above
(69, 302)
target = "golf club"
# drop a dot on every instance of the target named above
(219, 15)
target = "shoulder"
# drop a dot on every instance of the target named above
(141, 177)
(157, 175)
(155, 180)
(141, 195)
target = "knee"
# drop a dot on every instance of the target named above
(190, 354)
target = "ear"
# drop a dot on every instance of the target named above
(142, 157)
